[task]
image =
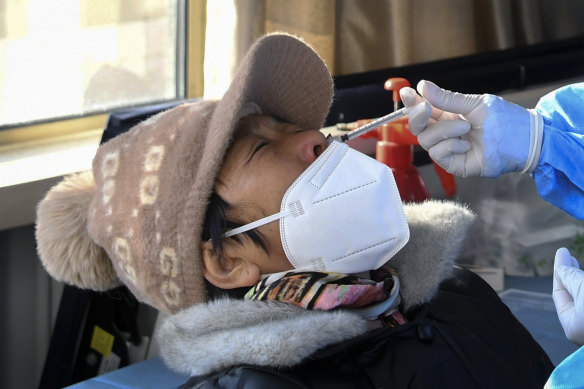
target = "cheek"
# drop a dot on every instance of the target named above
(282, 173)
(271, 182)
(275, 260)
(261, 188)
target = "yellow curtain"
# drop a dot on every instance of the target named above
(355, 36)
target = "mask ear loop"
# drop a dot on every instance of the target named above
(257, 223)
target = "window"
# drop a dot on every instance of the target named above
(72, 58)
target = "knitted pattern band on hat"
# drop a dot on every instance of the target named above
(138, 217)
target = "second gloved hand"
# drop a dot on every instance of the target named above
(475, 135)
(568, 295)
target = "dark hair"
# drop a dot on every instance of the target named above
(214, 228)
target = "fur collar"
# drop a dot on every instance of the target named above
(210, 337)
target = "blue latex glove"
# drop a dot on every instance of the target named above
(475, 135)
(568, 295)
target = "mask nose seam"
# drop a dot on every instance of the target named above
(344, 192)
(330, 173)
(310, 169)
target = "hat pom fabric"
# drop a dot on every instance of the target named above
(65, 248)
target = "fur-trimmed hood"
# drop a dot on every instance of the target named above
(209, 337)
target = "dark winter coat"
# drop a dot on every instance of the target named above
(460, 334)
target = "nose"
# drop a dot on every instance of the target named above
(308, 145)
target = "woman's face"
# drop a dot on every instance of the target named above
(265, 158)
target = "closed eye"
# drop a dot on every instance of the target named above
(257, 148)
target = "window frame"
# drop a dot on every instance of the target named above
(190, 37)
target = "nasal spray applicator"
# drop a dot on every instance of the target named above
(371, 125)
(395, 148)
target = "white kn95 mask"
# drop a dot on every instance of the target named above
(343, 214)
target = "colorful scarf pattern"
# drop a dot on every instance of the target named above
(327, 291)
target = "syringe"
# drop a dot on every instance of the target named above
(371, 125)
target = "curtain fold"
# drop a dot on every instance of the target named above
(354, 36)
(314, 21)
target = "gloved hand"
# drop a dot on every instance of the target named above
(471, 135)
(568, 295)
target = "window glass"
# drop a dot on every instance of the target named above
(73, 57)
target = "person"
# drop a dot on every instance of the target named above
(485, 135)
(568, 295)
(281, 260)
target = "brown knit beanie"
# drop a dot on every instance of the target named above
(137, 218)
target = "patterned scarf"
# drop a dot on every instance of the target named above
(375, 298)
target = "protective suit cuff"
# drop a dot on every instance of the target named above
(535, 141)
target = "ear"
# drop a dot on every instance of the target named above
(230, 270)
